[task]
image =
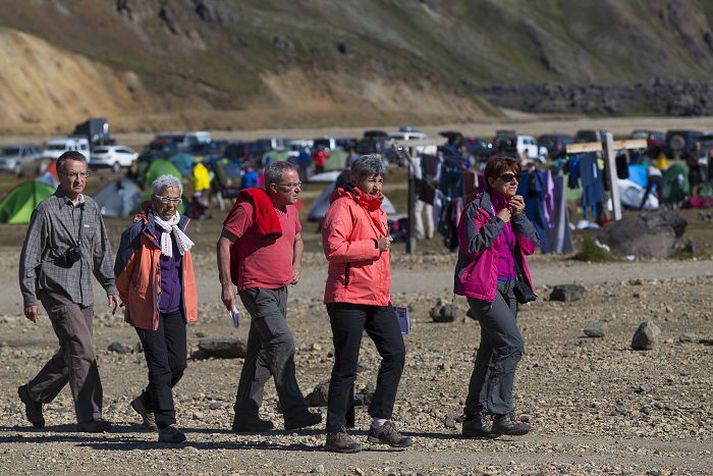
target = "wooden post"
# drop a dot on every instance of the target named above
(608, 146)
(411, 243)
(610, 157)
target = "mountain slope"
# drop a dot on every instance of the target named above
(250, 63)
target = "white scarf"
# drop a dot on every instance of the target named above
(171, 226)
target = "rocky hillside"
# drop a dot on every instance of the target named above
(150, 64)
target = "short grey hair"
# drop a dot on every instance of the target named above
(276, 170)
(166, 181)
(367, 166)
(69, 155)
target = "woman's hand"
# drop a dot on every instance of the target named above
(384, 243)
(504, 215)
(518, 205)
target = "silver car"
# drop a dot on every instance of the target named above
(15, 158)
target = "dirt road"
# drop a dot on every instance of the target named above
(597, 407)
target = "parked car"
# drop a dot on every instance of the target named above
(654, 139)
(14, 158)
(556, 144)
(481, 149)
(413, 135)
(184, 140)
(587, 135)
(113, 156)
(505, 144)
(59, 145)
(334, 142)
(680, 143)
(528, 145)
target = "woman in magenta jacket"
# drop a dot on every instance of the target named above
(494, 235)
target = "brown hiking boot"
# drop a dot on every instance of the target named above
(341, 442)
(389, 435)
(507, 424)
(147, 416)
(478, 426)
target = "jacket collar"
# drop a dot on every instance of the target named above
(483, 200)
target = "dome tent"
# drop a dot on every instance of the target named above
(18, 204)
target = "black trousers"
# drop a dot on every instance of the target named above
(349, 321)
(165, 351)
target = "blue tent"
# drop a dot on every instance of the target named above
(184, 163)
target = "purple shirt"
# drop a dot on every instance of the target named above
(170, 298)
(506, 241)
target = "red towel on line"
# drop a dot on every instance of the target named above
(265, 217)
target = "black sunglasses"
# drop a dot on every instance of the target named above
(509, 177)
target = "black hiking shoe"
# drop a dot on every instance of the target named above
(251, 425)
(171, 435)
(478, 426)
(95, 426)
(507, 424)
(389, 435)
(303, 421)
(33, 409)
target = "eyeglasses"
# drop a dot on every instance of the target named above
(291, 186)
(75, 175)
(509, 177)
(166, 200)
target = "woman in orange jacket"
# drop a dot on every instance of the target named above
(154, 276)
(356, 242)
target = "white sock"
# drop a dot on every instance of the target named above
(378, 422)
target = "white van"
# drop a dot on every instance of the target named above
(59, 145)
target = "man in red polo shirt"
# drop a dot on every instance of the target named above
(260, 251)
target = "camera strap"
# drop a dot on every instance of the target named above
(81, 225)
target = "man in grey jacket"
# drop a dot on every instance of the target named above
(66, 243)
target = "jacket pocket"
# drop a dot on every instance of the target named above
(347, 274)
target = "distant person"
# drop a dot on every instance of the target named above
(249, 178)
(320, 157)
(352, 156)
(710, 168)
(155, 256)
(695, 176)
(260, 251)
(303, 161)
(357, 244)
(66, 243)
(654, 181)
(201, 190)
(494, 235)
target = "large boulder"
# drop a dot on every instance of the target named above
(567, 292)
(651, 234)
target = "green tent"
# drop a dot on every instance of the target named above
(336, 160)
(18, 204)
(275, 156)
(156, 169)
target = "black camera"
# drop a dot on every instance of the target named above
(72, 255)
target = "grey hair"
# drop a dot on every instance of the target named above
(166, 181)
(367, 166)
(69, 155)
(276, 170)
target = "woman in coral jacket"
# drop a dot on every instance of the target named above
(154, 275)
(494, 233)
(357, 244)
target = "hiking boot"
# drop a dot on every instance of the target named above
(149, 419)
(341, 442)
(33, 409)
(252, 425)
(95, 426)
(389, 435)
(478, 426)
(303, 421)
(171, 434)
(507, 424)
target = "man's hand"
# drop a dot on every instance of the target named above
(384, 243)
(518, 205)
(31, 313)
(114, 302)
(228, 296)
(295, 275)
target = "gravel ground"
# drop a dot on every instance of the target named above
(597, 407)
